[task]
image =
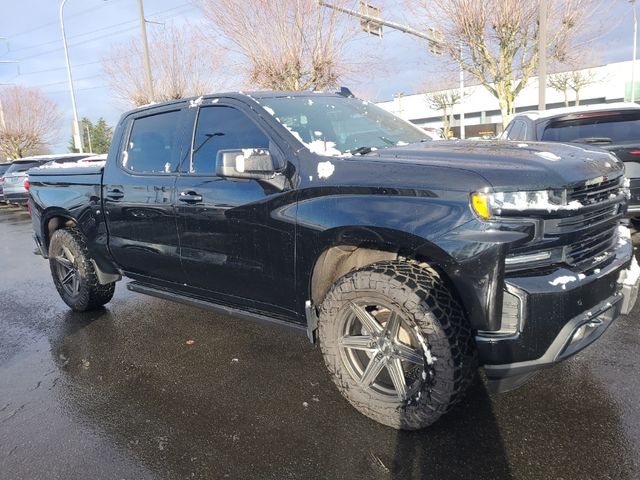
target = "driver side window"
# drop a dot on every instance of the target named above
(222, 128)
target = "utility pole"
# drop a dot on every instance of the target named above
(434, 37)
(86, 127)
(77, 138)
(635, 44)
(145, 47)
(542, 55)
(3, 124)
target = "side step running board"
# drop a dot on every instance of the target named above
(221, 309)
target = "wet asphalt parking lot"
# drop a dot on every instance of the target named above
(120, 394)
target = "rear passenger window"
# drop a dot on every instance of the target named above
(154, 144)
(222, 128)
(518, 131)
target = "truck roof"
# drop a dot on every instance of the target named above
(554, 112)
(255, 95)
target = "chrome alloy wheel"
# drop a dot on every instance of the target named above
(67, 271)
(384, 352)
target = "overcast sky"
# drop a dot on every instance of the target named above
(32, 30)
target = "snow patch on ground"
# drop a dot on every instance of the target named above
(624, 235)
(632, 274)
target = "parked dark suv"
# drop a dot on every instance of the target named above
(614, 127)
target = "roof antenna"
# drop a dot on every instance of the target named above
(345, 92)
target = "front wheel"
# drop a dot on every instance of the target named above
(73, 273)
(397, 343)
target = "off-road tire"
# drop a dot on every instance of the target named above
(423, 300)
(90, 293)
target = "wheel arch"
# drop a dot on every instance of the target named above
(54, 219)
(346, 249)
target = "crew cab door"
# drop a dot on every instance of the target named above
(235, 248)
(139, 194)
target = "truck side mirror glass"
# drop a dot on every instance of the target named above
(254, 163)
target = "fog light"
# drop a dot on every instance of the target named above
(579, 334)
(510, 314)
(585, 330)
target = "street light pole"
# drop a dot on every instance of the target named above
(635, 43)
(145, 47)
(77, 138)
(542, 55)
(461, 101)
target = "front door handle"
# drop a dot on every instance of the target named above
(190, 197)
(115, 194)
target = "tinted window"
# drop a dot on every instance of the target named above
(3, 168)
(154, 144)
(222, 128)
(616, 127)
(518, 131)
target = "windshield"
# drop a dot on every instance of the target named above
(332, 125)
(603, 127)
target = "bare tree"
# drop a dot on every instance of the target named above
(181, 64)
(30, 121)
(444, 101)
(574, 80)
(285, 44)
(560, 82)
(496, 41)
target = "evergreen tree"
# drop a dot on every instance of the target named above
(96, 137)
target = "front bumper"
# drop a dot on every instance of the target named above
(553, 317)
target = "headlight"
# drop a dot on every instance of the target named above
(490, 204)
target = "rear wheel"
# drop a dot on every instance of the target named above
(397, 344)
(73, 273)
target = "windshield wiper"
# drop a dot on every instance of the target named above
(361, 150)
(591, 140)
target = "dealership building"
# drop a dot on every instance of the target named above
(610, 83)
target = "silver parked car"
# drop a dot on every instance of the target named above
(3, 168)
(17, 176)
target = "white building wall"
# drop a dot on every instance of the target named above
(610, 83)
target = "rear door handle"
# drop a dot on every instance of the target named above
(190, 197)
(115, 194)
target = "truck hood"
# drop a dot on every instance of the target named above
(513, 165)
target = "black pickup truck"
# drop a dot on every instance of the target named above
(410, 262)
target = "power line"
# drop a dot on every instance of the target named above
(89, 10)
(64, 81)
(77, 90)
(179, 7)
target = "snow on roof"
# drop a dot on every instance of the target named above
(538, 114)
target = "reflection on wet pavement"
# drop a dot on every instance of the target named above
(150, 389)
